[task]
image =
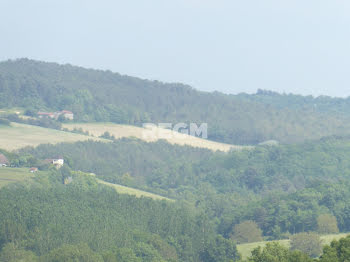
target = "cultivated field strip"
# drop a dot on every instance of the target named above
(119, 131)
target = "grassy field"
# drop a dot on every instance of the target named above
(246, 249)
(119, 131)
(15, 110)
(132, 191)
(12, 175)
(18, 136)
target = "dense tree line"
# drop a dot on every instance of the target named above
(284, 189)
(337, 251)
(321, 104)
(268, 192)
(83, 219)
(105, 96)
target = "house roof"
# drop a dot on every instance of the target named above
(50, 160)
(3, 159)
(45, 114)
(66, 112)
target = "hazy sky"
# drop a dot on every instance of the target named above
(298, 46)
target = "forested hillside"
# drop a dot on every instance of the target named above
(105, 96)
(283, 188)
(219, 199)
(84, 221)
(322, 104)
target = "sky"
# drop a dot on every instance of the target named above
(295, 46)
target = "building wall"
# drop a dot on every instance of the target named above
(69, 116)
(58, 162)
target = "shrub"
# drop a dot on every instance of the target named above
(4, 122)
(107, 135)
(337, 251)
(275, 252)
(308, 243)
(327, 224)
(31, 112)
(247, 231)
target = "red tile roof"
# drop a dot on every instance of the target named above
(66, 112)
(45, 114)
(3, 159)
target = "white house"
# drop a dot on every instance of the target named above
(58, 162)
(67, 114)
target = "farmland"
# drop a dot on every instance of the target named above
(13, 175)
(119, 131)
(132, 191)
(18, 136)
(246, 249)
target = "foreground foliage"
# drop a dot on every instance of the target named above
(307, 242)
(274, 252)
(84, 221)
(283, 189)
(337, 251)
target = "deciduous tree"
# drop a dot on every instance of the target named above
(247, 231)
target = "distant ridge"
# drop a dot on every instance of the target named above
(103, 96)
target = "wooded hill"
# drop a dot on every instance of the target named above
(85, 221)
(273, 191)
(283, 188)
(95, 95)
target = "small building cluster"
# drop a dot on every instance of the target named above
(33, 169)
(65, 113)
(57, 162)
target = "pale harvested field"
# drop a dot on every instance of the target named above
(119, 131)
(18, 136)
(246, 249)
(132, 191)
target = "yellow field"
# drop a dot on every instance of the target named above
(246, 249)
(119, 131)
(18, 136)
(12, 175)
(132, 191)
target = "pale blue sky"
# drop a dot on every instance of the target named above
(298, 46)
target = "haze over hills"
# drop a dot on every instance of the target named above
(183, 202)
(102, 96)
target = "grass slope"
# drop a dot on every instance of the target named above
(246, 249)
(10, 175)
(119, 131)
(18, 136)
(132, 191)
(13, 175)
